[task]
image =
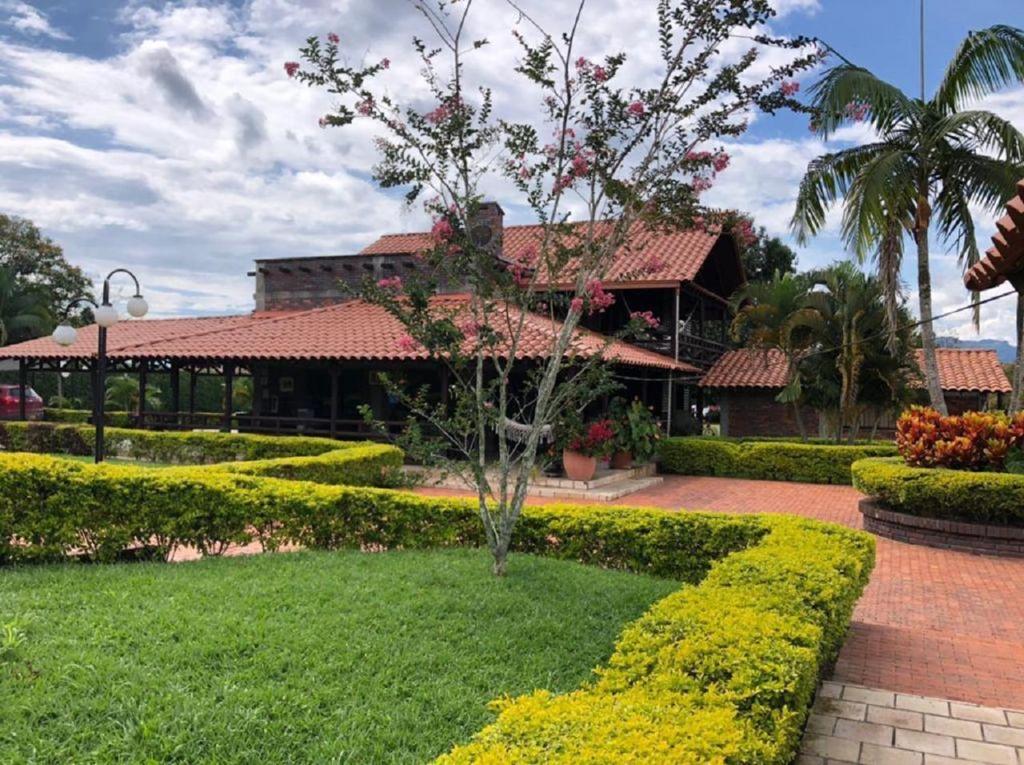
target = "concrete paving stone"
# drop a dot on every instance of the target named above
(868, 696)
(922, 704)
(995, 754)
(809, 759)
(849, 710)
(1016, 719)
(872, 754)
(949, 726)
(898, 718)
(823, 724)
(976, 713)
(831, 747)
(864, 731)
(938, 759)
(830, 690)
(1000, 734)
(919, 741)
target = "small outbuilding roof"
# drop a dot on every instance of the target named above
(960, 369)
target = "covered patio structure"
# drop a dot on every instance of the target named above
(312, 371)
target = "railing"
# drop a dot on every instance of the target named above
(693, 349)
(271, 424)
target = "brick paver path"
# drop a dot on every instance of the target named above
(931, 622)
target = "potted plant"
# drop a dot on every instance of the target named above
(636, 434)
(582, 449)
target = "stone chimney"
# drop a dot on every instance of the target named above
(487, 227)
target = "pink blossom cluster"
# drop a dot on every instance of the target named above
(598, 299)
(718, 161)
(856, 110)
(652, 265)
(407, 344)
(647, 317)
(365, 107)
(333, 39)
(790, 88)
(323, 121)
(444, 111)
(522, 264)
(442, 231)
(385, 63)
(596, 71)
(637, 109)
(390, 283)
(291, 67)
(580, 161)
(743, 231)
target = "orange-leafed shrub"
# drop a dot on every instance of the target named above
(971, 441)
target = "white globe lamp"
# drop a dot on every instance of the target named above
(106, 316)
(137, 306)
(65, 335)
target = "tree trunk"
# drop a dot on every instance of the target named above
(1018, 366)
(924, 287)
(799, 417)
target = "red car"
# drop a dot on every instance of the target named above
(10, 403)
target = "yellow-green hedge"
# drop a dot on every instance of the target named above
(767, 460)
(959, 495)
(354, 465)
(184, 447)
(722, 671)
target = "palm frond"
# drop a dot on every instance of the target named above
(845, 85)
(889, 257)
(883, 191)
(982, 130)
(827, 180)
(986, 61)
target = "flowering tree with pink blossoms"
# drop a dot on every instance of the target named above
(605, 163)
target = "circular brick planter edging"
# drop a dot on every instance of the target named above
(937, 532)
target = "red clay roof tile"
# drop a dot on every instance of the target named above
(1006, 257)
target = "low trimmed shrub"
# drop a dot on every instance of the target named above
(960, 495)
(722, 672)
(767, 460)
(355, 465)
(184, 447)
(82, 416)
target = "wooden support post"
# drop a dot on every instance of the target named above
(143, 380)
(192, 391)
(229, 391)
(334, 400)
(175, 390)
(22, 389)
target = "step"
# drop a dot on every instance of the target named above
(603, 477)
(605, 493)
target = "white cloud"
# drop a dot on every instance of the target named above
(29, 20)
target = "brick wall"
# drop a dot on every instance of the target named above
(295, 283)
(755, 412)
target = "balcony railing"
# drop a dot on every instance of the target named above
(693, 349)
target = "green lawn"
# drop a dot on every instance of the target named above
(304, 657)
(112, 460)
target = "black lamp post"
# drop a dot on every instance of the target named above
(106, 317)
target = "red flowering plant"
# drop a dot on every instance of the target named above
(596, 440)
(971, 441)
(599, 161)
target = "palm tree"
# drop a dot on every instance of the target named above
(123, 393)
(931, 161)
(23, 309)
(766, 316)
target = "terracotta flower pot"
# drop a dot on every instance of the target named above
(578, 467)
(622, 460)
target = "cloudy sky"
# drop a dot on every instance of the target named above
(165, 135)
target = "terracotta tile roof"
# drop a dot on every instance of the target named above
(682, 253)
(354, 330)
(976, 369)
(128, 332)
(747, 368)
(1006, 257)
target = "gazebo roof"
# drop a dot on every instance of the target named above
(351, 331)
(1005, 259)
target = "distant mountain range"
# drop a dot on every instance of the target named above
(1007, 353)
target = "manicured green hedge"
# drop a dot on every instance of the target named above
(355, 465)
(769, 460)
(722, 671)
(960, 495)
(82, 416)
(185, 447)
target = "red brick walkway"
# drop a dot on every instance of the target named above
(931, 622)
